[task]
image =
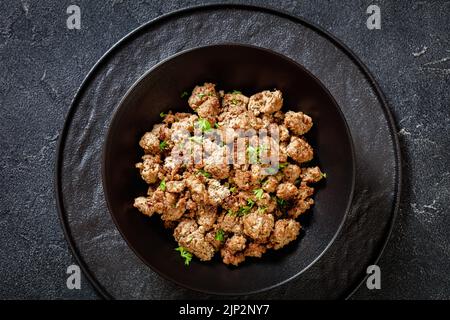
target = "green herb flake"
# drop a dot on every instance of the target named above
(258, 193)
(201, 95)
(243, 211)
(216, 125)
(236, 92)
(324, 175)
(162, 185)
(204, 124)
(233, 189)
(186, 255)
(281, 203)
(184, 94)
(163, 145)
(163, 115)
(204, 173)
(262, 209)
(282, 165)
(219, 235)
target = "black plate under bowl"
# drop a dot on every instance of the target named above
(249, 69)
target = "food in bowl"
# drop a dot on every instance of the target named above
(232, 177)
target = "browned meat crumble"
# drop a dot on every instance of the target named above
(235, 210)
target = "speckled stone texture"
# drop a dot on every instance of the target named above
(43, 64)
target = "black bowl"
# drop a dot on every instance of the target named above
(250, 70)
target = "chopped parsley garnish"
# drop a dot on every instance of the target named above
(204, 124)
(231, 212)
(162, 185)
(163, 145)
(243, 211)
(219, 235)
(258, 193)
(201, 95)
(163, 115)
(234, 101)
(184, 94)
(233, 189)
(236, 92)
(186, 255)
(281, 203)
(204, 173)
(216, 125)
(324, 175)
(262, 209)
(282, 165)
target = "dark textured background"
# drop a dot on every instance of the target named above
(43, 63)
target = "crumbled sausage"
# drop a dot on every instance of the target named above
(217, 193)
(299, 150)
(211, 200)
(285, 231)
(258, 226)
(149, 168)
(175, 186)
(291, 173)
(174, 210)
(206, 216)
(243, 179)
(270, 184)
(229, 258)
(265, 102)
(205, 101)
(312, 174)
(236, 243)
(286, 191)
(192, 237)
(297, 122)
(230, 223)
(141, 203)
(255, 250)
(150, 143)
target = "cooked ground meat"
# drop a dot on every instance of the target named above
(285, 231)
(240, 207)
(258, 226)
(299, 150)
(265, 102)
(175, 186)
(286, 191)
(141, 203)
(297, 122)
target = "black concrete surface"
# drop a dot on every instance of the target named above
(43, 64)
